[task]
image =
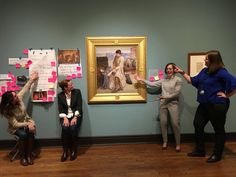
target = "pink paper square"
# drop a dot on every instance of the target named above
(29, 62)
(51, 92)
(50, 99)
(53, 63)
(79, 75)
(151, 78)
(25, 51)
(68, 77)
(26, 66)
(160, 74)
(73, 76)
(3, 88)
(78, 68)
(54, 73)
(10, 75)
(18, 66)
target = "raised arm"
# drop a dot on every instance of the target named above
(185, 76)
(33, 78)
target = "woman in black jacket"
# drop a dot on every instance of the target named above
(70, 113)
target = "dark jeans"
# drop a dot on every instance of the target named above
(22, 133)
(216, 114)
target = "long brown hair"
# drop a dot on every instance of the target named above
(215, 61)
(6, 105)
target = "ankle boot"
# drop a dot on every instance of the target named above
(64, 155)
(73, 150)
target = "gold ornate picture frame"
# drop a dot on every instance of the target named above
(196, 62)
(112, 63)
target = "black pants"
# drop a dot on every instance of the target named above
(216, 114)
(69, 134)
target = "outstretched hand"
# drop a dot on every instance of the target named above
(137, 78)
(34, 75)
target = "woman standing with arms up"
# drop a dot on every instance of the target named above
(214, 87)
(169, 103)
(70, 113)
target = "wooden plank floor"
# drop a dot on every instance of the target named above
(126, 160)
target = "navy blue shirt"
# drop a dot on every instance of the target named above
(209, 85)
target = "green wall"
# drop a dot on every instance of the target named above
(173, 29)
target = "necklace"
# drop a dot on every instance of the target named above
(68, 95)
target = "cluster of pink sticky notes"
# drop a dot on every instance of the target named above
(160, 74)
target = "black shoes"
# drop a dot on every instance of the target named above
(197, 154)
(213, 158)
(64, 156)
(73, 155)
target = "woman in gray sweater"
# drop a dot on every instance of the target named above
(19, 123)
(170, 89)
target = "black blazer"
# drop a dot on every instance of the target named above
(76, 102)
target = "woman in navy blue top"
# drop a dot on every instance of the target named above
(214, 87)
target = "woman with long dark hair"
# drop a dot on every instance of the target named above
(19, 123)
(214, 87)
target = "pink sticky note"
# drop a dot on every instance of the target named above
(78, 68)
(50, 79)
(18, 66)
(79, 75)
(68, 77)
(3, 88)
(8, 84)
(50, 99)
(54, 73)
(25, 51)
(27, 66)
(44, 99)
(151, 78)
(17, 88)
(51, 92)
(73, 76)
(29, 62)
(10, 75)
(13, 78)
(53, 63)
(160, 74)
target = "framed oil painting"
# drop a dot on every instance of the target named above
(196, 62)
(112, 63)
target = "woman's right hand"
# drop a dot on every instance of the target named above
(178, 70)
(34, 75)
(137, 78)
(66, 122)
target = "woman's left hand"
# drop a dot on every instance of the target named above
(221, 94)
(73, 121)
